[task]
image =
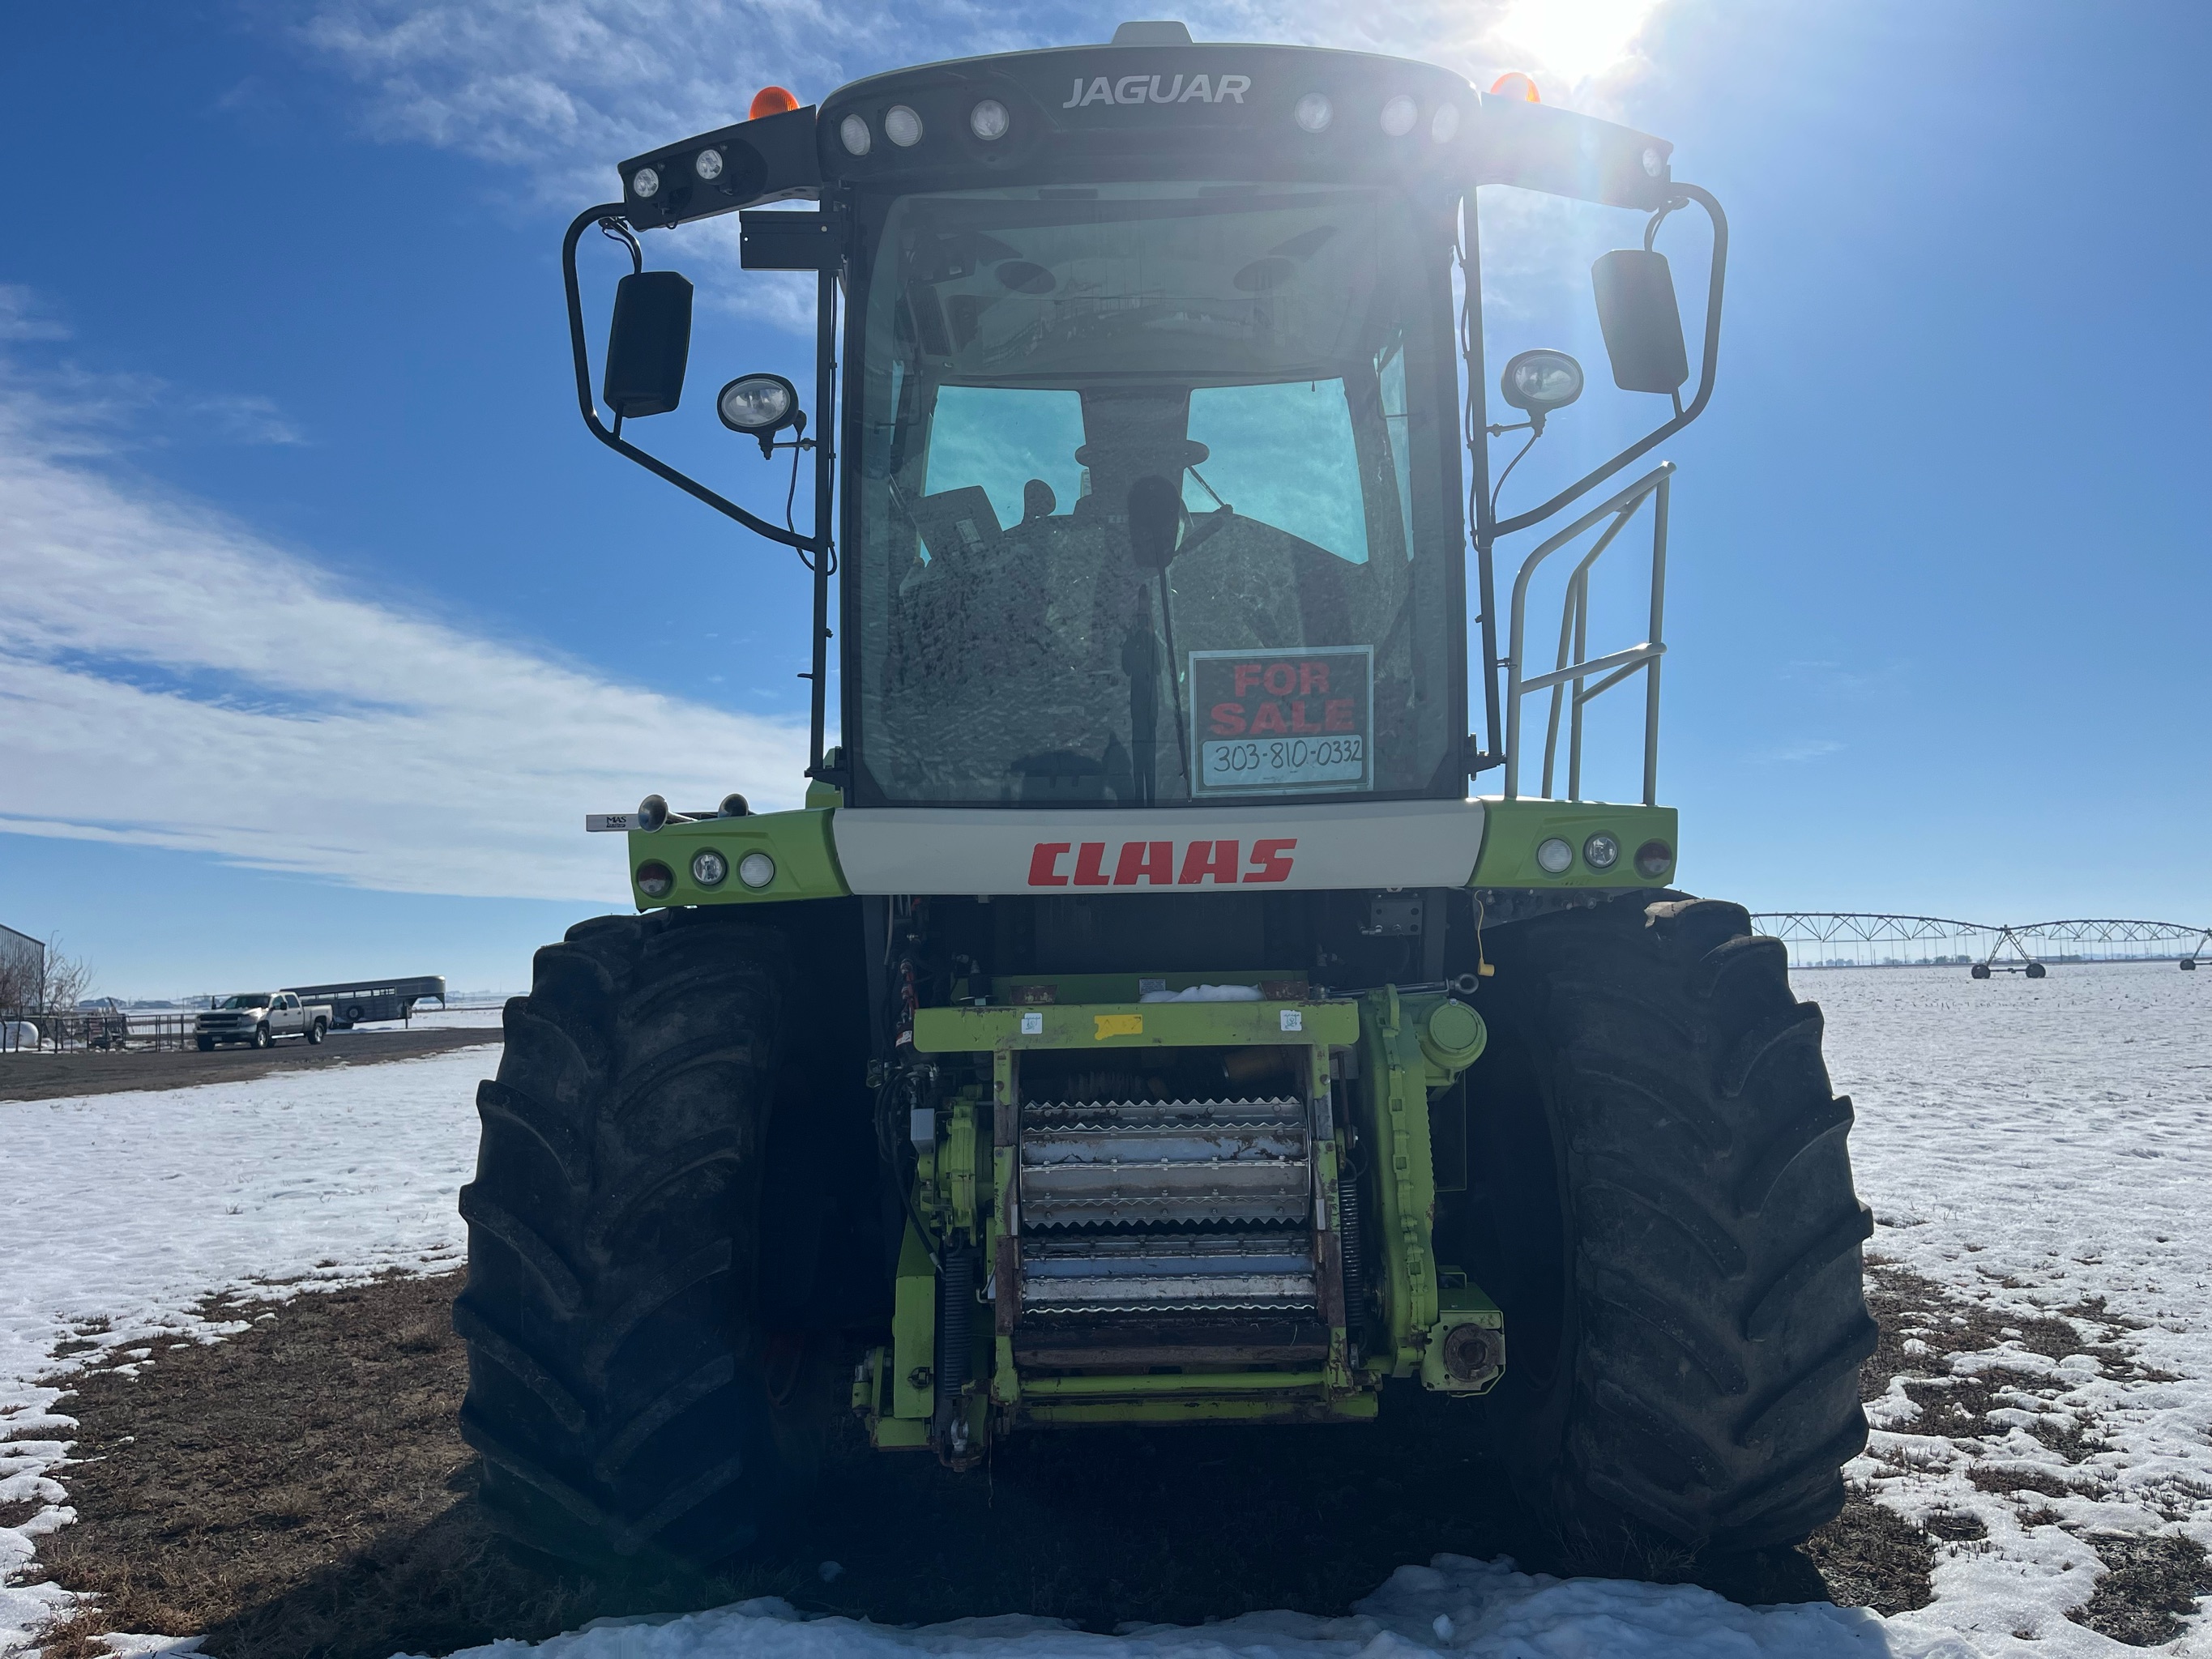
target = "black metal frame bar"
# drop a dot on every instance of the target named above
(817, 550)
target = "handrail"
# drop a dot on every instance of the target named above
(1573, 669)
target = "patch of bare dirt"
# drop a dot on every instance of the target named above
(300, 1492)
(2153, 1585)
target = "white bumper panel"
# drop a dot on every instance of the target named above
(903, 849)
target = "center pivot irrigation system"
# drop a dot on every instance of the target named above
(1145, 1021)
(1835, 939)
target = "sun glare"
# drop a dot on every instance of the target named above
(1573, 40)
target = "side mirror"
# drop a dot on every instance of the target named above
(648, 344)
(1642, 323)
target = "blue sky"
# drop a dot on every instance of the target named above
(326, 621)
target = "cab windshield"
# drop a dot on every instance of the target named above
(1156, 498)
(245, 999)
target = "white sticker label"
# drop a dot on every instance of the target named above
(601, 824)
(1032, 1024)
(1294, 1019)
(1281, 763)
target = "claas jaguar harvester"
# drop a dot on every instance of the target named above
(1181, 999)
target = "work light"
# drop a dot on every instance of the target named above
(988, 120)
(1540, 382)
(756, 870)
(646, 182)
(708, 867)
(852, 132)
(1398, 116)
(708, 164)
(1314, 111)
(1553, 856)
(759, 406)
(1601, 852)
(1443, 125)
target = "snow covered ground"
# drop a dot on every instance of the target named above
(120, 1213)
(2036, 1144)
(2041, 1144)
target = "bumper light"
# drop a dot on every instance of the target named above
(655, 879)
(1601, 852)
(1654, 859)
(1553, 856)
(756, 870)
(708, 867)
(902, 126)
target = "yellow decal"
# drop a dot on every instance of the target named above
(1118, 1025)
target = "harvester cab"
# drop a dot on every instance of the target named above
(1144, 1020)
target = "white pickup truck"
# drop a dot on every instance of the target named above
(260, 1018)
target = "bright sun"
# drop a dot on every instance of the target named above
(1573, 39)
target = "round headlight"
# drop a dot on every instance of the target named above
(1655, 859)
(1443, 125)
(756, 870)
(988, 120)
(646, 182)
(1314, 111)
(1553, 856)
(1601, 852)
(655, 879)
(708, 867)
(651, 812)
(753, 404)
(902, 126)
(708, 164)
(1398, 116)
(853, 133)
(1541, 381)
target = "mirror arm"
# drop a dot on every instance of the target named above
(612, 438)
(1683, 417)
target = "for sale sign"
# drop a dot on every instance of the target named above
(1281, 721)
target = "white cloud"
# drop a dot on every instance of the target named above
(168, 678)
(248, 418)
(19, 317)
(1804, 748)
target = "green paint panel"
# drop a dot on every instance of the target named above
(1513, 830)
(799, 842)
(1133, 1025)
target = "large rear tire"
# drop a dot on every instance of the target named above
(616, 1385)
(1662, 1202)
